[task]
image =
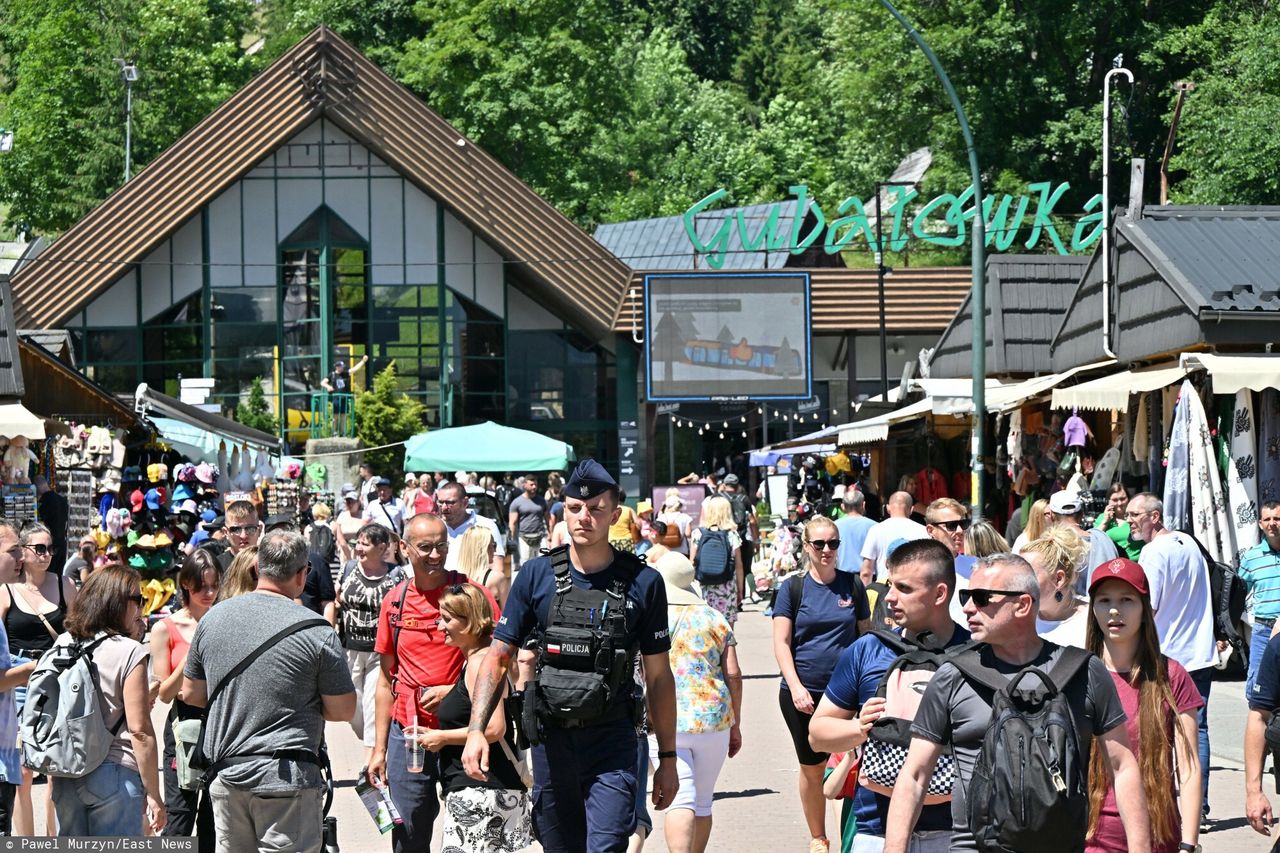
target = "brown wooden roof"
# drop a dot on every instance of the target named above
(919, 299)
(323, 74)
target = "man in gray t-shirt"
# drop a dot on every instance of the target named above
(527, 520)
(280, 702)
(1000, 605)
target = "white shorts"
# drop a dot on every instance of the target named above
(699, 758)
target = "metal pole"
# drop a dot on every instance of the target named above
(1106, 206)
(128, 126)
(884, 334)
(977, 298)
(671, 448)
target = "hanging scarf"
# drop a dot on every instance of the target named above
(1177, 497)
(1242, 473)
(1209, 521)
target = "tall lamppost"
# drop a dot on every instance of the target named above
(129, 74)
(977, 296)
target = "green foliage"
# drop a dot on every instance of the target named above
(254, 411)
(61, 92)
(385, 415)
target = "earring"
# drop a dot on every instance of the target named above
(1057, 596)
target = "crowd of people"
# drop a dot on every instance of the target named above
(958, 693)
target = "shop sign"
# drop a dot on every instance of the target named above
(941, 221)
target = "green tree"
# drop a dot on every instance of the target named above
(254, 411)
(386, 415)
(62, 94)
(379, 28)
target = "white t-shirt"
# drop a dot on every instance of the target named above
(390, 515)
(886, 536)
(1068, 632)
(1179, 582)
(473, 520)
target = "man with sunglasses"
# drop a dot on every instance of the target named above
(451, 502)
(417, 671)
(888, 534)
(593, 610)
(921, 581)
(1001, 605)
(243, 529)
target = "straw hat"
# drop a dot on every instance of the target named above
(677, 574)
(644, 506)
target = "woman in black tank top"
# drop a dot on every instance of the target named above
(27, 606)
(470, 807)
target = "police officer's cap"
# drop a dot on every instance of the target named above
(588, 480)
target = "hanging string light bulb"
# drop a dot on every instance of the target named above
(721, 435)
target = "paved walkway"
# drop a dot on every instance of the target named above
(757, 806)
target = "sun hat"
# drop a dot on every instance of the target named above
(677, 574)
(644, 506)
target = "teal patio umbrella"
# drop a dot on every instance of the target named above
(486, 447)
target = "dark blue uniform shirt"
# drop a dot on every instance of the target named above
(535, 587)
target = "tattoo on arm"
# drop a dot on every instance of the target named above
(489, 683)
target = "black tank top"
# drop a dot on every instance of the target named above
(27, 635)
(454, 712)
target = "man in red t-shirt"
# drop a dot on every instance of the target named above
(418, 669)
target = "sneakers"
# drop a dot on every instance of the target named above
(819, 845)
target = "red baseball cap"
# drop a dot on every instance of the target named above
(1121, 569)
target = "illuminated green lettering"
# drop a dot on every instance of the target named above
(801, 192)
(720, 242)
(1043, 209)
(898, 240)
(857, 222)
(999, 230)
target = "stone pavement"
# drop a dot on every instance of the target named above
(756, 804)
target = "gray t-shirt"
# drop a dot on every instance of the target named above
(115, 659)
(953, 712)
(275, 703)
(531, 515)
(1101, 550)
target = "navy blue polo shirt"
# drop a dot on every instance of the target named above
(535, 587)
(1266, 686)
(855, 680)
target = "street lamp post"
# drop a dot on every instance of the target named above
(881, 272)
(977, 297)
(129, 74)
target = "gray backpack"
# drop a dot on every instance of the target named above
(64, 732)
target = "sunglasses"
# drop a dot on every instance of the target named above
(40, 549)
(825, 544)
(982, 597)
(428, 547)
(953, 525)
(242, 529)
(139, 600)
(456, 589)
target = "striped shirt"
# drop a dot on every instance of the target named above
(1260, 571)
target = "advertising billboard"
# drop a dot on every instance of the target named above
(727, 337)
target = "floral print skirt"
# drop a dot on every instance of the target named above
(486, 820)
(723, 597)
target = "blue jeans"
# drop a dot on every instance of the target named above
(584, 788)
(107, 802)
(1257, 647)
(1203, 679)
(414, 795)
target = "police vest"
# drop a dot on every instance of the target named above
(584, 663)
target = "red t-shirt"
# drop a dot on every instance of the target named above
(422, 658)
(1110, 837)
(423, 503)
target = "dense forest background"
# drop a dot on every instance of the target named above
(623, 109)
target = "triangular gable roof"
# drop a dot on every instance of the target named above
(324, 75)
(663, 244)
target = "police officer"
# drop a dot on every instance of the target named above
(591, 609)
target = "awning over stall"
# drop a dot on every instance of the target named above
(15, 420)
(1230, 373)
(877, 429)
(1112, 392)
(1002, 398)
(148, 400)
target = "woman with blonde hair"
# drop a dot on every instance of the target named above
(716, 523)
(1056, 555)
(242, 574)
(479, 817)
(475, 554)
(983, 540)
(1038, 520)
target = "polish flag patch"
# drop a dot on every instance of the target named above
(553, 648)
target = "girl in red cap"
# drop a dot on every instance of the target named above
(1160, 701)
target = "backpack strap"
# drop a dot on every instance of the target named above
(970, 664)
(86, 650)
(560, 565)
(1068, 665)
(795, 590)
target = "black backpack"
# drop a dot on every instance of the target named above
(1030, 787)
(713, 562)
(322, 542)
(1227, 595)
(741, 517)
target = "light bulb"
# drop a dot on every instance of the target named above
(744, 433)
(760, 411)
(724, 425)
(722, 435)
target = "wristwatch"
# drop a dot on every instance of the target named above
(672, 754)
(1190, 848)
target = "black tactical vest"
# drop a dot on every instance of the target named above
(584, 664)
